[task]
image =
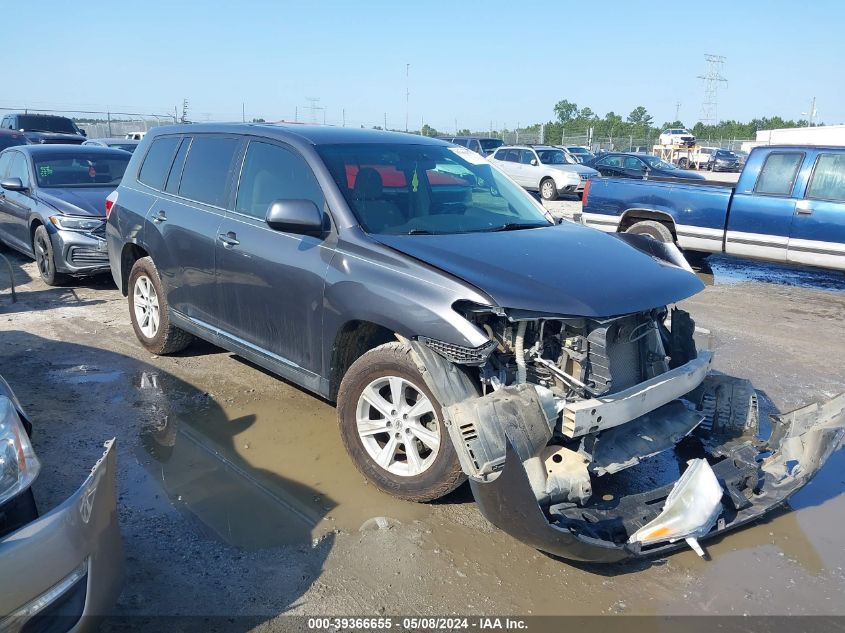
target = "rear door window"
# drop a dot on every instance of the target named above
(828, 182)
(526, 157)
(157, 162)
(778, 173)
(272, 172)
(207, 169)
(512, 156)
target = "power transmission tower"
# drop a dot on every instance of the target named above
(313, 101)
(712, 79)
(677, 110)
(184, 111)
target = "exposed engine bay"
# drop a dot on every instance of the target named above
(567, 405)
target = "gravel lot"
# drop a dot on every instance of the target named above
(236, 498)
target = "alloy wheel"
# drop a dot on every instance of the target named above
(145, 301)
(397, 426)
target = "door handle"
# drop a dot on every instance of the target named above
(802, 207)
(161, 217)
(229, 239)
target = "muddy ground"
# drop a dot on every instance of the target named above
(236, 497)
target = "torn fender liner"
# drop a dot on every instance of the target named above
(756, 476)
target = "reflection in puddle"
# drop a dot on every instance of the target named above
(83, 374)
(725, 270)
(257, 474)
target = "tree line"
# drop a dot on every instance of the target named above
(572, 121)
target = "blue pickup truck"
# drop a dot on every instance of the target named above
(787, 206)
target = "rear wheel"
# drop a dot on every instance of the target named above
(148, 311)
(653, 229)
(392, 426)
(683, 163)
(548, 189)
(45, 259)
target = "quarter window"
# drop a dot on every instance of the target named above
(526, 157)
(157, 162)
(207, 169)
(828, 181)
(271, 173)
(778, 174)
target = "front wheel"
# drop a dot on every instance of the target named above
(148, 311)
(683, 163)
(392, 426)
(548, 189)
(45, 258)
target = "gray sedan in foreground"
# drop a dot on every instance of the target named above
(52, 205)
(59, 571)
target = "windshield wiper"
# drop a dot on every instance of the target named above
(420, 232)
(517, 226)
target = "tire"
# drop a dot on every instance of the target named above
(45, 258)
(548, 189)
(653, 229)
(696, 259)
(150, 316)
(683, 163)
(385, 372)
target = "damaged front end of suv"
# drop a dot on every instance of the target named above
(571, 406)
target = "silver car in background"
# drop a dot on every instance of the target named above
(543, 168)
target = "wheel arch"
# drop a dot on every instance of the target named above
(353, 339)
(632, 216)
(130, 254)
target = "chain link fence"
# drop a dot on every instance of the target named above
(102, 124)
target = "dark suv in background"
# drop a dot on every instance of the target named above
(461, 331)
(44, 128)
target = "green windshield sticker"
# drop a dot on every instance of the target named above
(45, 170)
(415, 181)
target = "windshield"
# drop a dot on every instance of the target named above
(725, 154)
(552, 157)
(80, 170)
(424, 189)
(656, 163)
(490, 144)
(59, 124)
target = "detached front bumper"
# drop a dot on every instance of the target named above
(756, 477)
(79, 253)
(64, 569)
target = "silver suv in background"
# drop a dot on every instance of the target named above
(479, 145)
(543, 168)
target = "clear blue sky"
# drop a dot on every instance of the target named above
(474, 62)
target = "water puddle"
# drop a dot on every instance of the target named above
(260, 473)
(84, 374)
(725, 270)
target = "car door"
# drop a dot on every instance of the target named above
(761, 219)
(270, 283)
(817, 235)
(16, 205)
(5, 216)
(530, 174)
(182, 224)
(610, 166)
(633, 167)
(510, 164)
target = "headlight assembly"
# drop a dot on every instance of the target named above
(76, 223)
(18, 464)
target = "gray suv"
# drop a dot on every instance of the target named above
(462, 332)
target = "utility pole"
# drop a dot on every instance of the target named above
(407, 92)
(313, 101)
(243, 112)
(343, 116)
(712, 79)
(811, 114)
(184, 110)
(677, 110)
(385, 121)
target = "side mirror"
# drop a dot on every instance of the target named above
(12, 184)
(83, 132)
(295, 216)
(534, 162)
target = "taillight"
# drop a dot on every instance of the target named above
(584, 194)
(111, 200)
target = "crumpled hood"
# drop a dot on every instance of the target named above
(565, 269)
(77, 200)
